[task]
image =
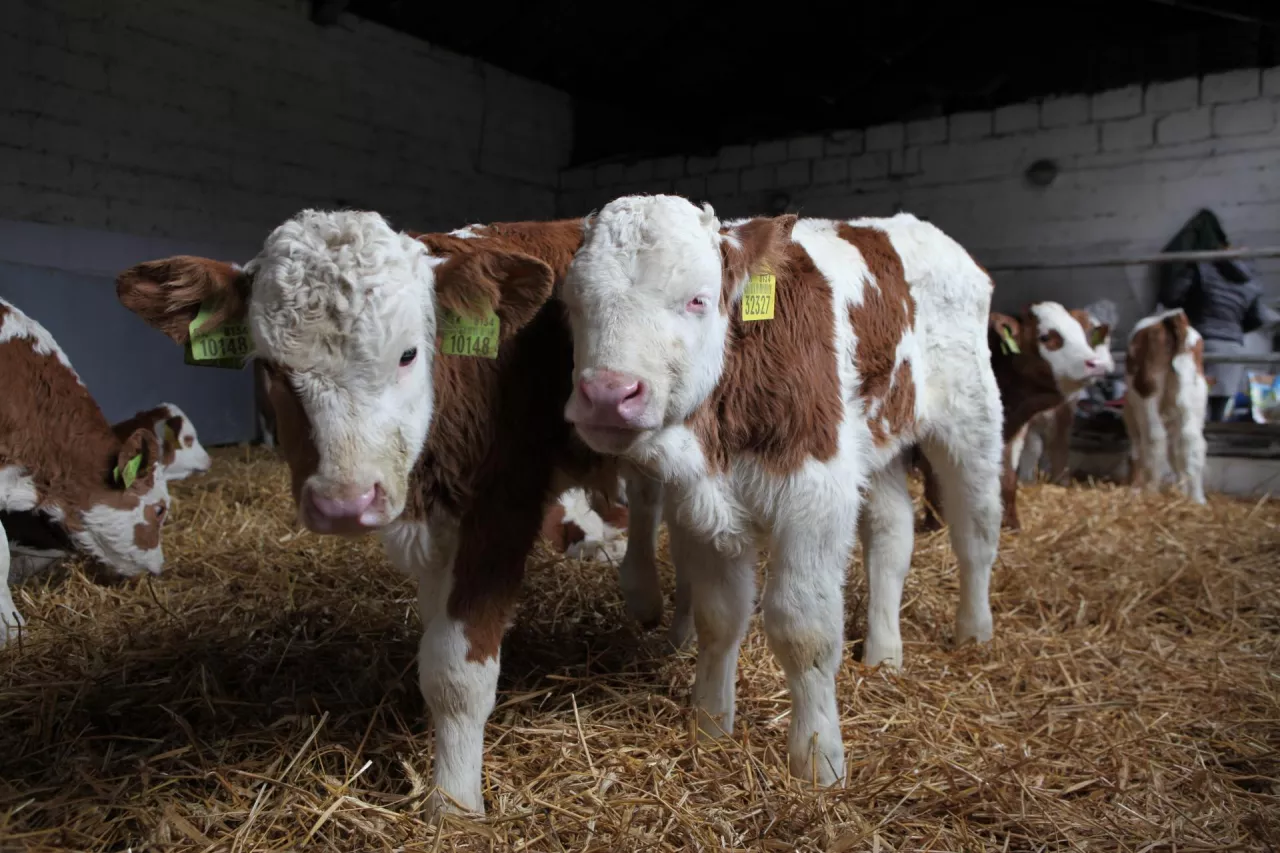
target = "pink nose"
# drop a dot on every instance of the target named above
(1092, 364)
(343, 506)
(613, 399)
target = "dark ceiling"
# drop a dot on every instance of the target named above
(669, 76)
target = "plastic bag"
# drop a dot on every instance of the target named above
(1264, 394)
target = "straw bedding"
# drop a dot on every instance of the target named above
(262, 695)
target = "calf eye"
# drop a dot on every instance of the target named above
(407, 357)
(1045, 338)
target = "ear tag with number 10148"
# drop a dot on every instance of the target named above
(467, 336)
(228, 345)
(760, 296)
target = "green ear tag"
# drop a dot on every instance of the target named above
(170, 437)
(1007, 343)
(130, 471)
(1096, 337)
(467, 336)
(226, 346)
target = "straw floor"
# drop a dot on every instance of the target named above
(261, 695)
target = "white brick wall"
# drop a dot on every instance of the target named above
(215, 121)
(1134, 164)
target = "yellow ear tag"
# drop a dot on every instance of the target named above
(760, 296)
(1007, 343)
(130, 471)
(226, 346)
(468, 336)
(170, 437)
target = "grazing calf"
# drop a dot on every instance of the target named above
(1039, 360)
(764, 432)
(451, 459)
(1167, 394)
(181, 452)
(62, 467)
(1051, 429)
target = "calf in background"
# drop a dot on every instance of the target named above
(1164, 411)
(62, 466)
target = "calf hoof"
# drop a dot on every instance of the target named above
(440, 804)
(973, 629)
(883, 653)
(818, 763)
(644, 604)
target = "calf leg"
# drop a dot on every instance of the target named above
(1188, 449)
(721, 594)
(1032, 451)
(971, 488)
(804, 621)
(680, 634)
(10, 619)
(638, 571)
(932, 497)
(1064, 418)
(885, 528)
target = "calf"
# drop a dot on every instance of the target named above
(451, 459)
(181, 452)
(1051, 429)
(62, 467)
(764, 432)
(1039, 360)
(586, 526)
(1164, 410)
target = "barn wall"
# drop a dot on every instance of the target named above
(139, 128)
(1134, 165)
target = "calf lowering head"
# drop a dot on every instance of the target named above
(650, 295)
(1047, 340)
(342, 310)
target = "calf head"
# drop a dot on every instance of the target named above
(1099, 335)
(342, 311)
(180, 450)
(1047, 345)
(650, 297)
(119, 520)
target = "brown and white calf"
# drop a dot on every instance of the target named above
(452, 460)
(1039, 360)
(61, 466)
(1050, 430)
(1164, 410)
(765, 432)
(181, 452)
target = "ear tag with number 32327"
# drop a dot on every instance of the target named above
(468, 336)
(226, 346)
(760, 296)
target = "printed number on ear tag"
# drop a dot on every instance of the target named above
(226, 346)
(1007, 343)
(130, 471)
(468, 336)
(760, 295)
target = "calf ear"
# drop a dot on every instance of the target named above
(1004, 334)
(1099, 335)
(750, 247)
(512, 284)
(137, 463)
(167, 294)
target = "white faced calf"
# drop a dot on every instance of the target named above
(452, 460)
(61, 463)
(764, 431)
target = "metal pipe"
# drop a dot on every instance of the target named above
(1163, 258)
(1271, 359)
